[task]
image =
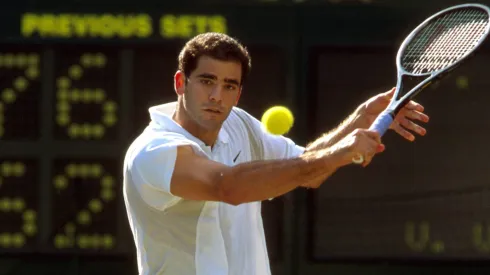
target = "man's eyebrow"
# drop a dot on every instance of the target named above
(232, 81)
(208, 76)
(213, 77)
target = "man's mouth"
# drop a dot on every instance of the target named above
(213, 110)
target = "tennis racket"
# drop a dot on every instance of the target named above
(431, 51)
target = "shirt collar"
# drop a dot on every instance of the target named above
(162, 115)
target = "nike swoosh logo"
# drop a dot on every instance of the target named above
(234, 160)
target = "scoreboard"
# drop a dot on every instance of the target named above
(76, 85)
(51, 196)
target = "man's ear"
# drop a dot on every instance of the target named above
(179, 83)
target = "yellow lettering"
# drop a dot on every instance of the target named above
(80, 26)
(417, 235)
(106, 25)
(124, 26)
(118, 25)
(47, 25)
(168, 26)
(185, 24)
(94, 25)
(144, 26)
(481, 238)
(29, 24)
(201, 24)
(217, 24)
(64, 22)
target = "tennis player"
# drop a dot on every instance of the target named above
(195, 177)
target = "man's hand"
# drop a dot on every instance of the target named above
(359, 142)
(404, 121)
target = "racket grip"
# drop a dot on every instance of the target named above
(382, 123)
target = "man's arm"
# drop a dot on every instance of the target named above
(198, 178)
(332, 137)
(366, 113)
(326, 140)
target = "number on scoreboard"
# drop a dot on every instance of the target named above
(86, 99)
(85, 196)
(20, 92)
(18, 204)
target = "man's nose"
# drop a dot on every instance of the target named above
(215, 94)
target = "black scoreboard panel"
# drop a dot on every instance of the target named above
(427, 199)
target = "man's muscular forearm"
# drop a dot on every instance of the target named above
(330, 138)
(261, 180)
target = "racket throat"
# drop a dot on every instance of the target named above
(406, 84)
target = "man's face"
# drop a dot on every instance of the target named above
(212, 90)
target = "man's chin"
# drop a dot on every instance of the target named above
(213, 121)
(211, 124)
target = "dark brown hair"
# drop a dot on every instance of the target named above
(216, 45)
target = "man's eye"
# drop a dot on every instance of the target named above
(206, 81)
(230, 87)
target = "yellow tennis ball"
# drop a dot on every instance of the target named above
(278, 120)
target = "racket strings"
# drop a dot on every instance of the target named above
(445, 40)
(437, 55)
(434, 40)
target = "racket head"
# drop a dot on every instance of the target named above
(454, 33)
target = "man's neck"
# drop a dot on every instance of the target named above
(182, 118)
